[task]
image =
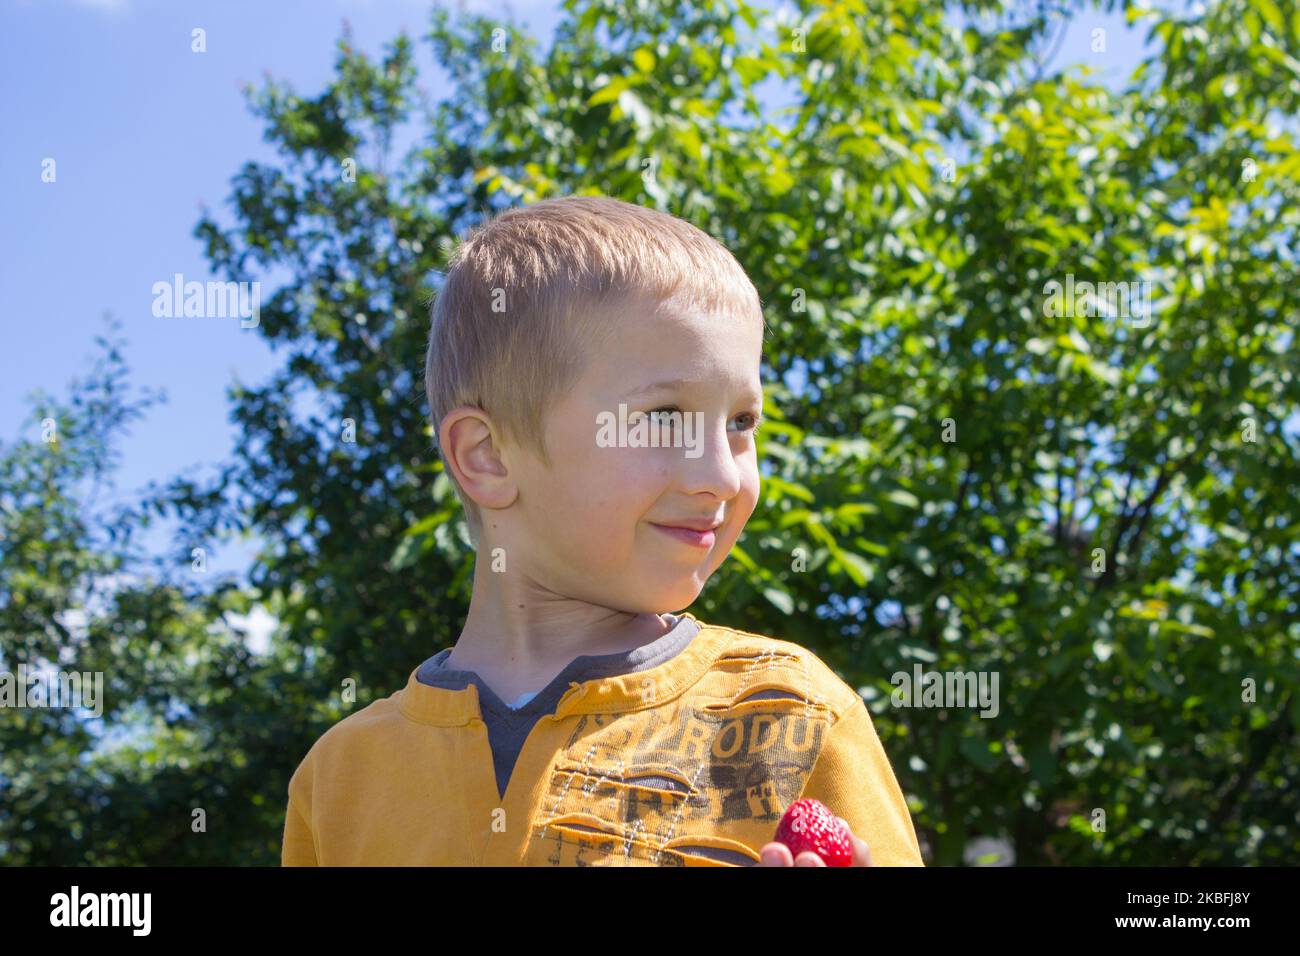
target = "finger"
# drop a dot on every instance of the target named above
(809, 858)
(861, 852)
(775, 854)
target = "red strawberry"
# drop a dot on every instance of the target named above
(809, 825)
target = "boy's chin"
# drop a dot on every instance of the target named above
(672, 602)
(659, 600)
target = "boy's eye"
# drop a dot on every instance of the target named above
(757, 420)
(656, 416)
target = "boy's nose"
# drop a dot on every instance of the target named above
(715, 469)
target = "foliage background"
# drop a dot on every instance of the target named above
(897, 298)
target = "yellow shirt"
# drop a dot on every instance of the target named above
(688, 763)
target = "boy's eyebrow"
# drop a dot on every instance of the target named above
(666, 385)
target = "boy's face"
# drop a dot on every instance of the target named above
(592, 526)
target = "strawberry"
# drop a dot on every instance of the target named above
(809, 825)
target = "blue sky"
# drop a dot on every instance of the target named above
(144, 131)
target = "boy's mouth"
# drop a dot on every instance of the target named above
(700, 534)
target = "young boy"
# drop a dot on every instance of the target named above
(575, 722)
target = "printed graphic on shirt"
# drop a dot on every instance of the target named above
(701, 781)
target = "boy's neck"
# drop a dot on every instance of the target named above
(518, 636)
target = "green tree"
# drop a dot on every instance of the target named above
(167, 769)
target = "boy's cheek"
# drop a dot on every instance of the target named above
(745, 506)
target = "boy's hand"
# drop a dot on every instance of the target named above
(778, 854)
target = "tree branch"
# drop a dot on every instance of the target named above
(1278, 731)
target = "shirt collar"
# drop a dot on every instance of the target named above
(640, 689)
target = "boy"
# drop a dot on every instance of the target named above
(574, 722)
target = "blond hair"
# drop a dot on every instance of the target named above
(531, 294)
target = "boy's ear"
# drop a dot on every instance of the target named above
(466, 437)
